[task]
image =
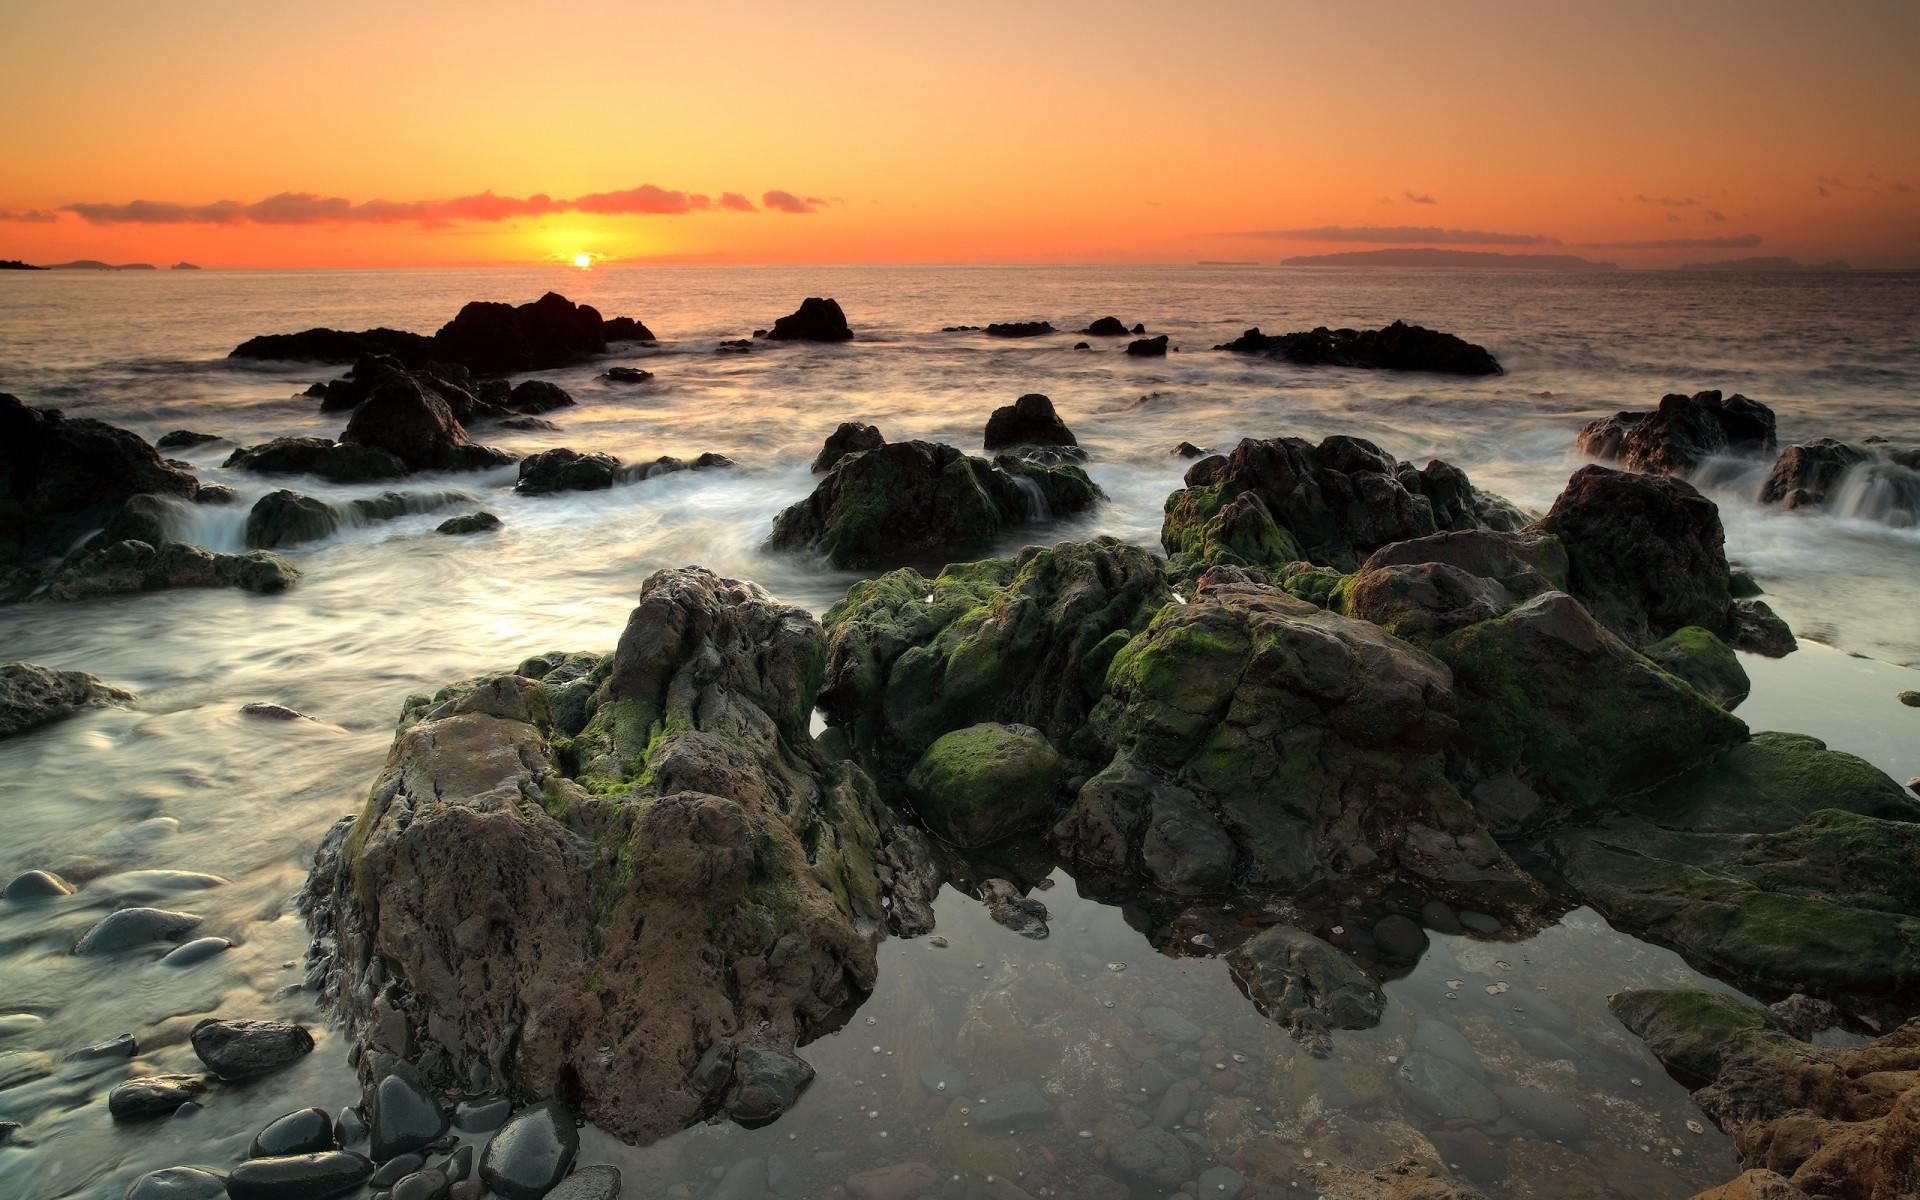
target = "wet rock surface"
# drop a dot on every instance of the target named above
(153, 1096)
(299, 1176)
(532, 1152)
(1682, 433)
(850, 437)
(32, 695)
(1028, 421)
(239, 1049)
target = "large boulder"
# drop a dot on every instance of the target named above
(495, 338)
(1682, 433)
(535, 396)
(1028, 421)
(1019, 329)
(62, 476)
(1830, 1121)
(622, 913)
(1280, 500)
(851, 437)
(1024, 640)
(980, 784)
(338, 346)
(118, 568)
(286, 518)
(1397, 347)
(816, 320)
(924, 502)
(1424, 588)
(32, 695)
(1645, 553)
(337, 462)
(565, 470)
(1313, 741)
(415, 425)
(1805, 473)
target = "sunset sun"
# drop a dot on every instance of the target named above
(583, 261)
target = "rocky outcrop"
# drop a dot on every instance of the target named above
(338, 346)
(496, 338)
(1312, 741)
(338, 462)
(816, 320)
(1019, 329)
(924, 502)
(1837, 1123)
(1682, 433)
(1424, 588)
(626, 329)
(1282, 500)
(1398, 347)
(1028, 421)
(534, 396)
(565, 470)
(286, 518)
(1106, 327)
(1805, 473)
(850, 438)
(62, 476)
(674, 896)
(1023, 641)
(416, 426)
(1153, 347)
(32, 695)
(1704, 662)
(117, 568)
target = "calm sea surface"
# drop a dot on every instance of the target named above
(184, 782)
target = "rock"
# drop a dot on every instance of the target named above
(1773, 783)
(850, 438)
(1545, 1113)
(184, 439)
(404, 1117)
(178, 1183)
(900, 1181)
(1172, 1108)
(658, 857)
(626, 329)
(482, 1116)
(1019, 329)
(430, 1184)
(29, 886)
(765, 1084)
(1028, 421)
(415, 425)
(1757, 630)
(1305, 984)
(1646, 553)
(337, 346)
(1126, 820)
(1424, 588)
(134, 566)
(152, 1096)
(1755, 1185)
(1439, 917)
(1153, 347)
(565, 470)
(131, 927)
(531, 1153)
(1397, 347)
(302, 1131)
(589, 1183)
(816, 320)
(337, 462)
(1703, 661)
(467, 1189)
(299, 1176)
(480, 522)
(32, 695)
(1153, 1156)
(494, 338)
(239, 1049)
(628, 375)
(395, 1169)
(1400, 938)
(977, 785)
(117, 1048)
(459, 1165)
(531, 397)
(921, 501)
(1810, 470)
(1023, 914)
(1170, 1026)
(1017, 1105)
(1445, 1090)
(1444, 1041)
(1682, 433)
(350, 1128)
(1220, 1183)
(1106, 327)
(285, 518)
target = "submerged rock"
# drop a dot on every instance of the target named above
(284, 518)
(337, 346)
(1682, 433)
(565, 470)
(129, 927)
(32, 695)
(30, 886)
(1153, 347)
(1028, 421)
(1106, 327)
(1397, 347)
(816, 320)
(1804, 474)
(179, 1183)
(922, 501)
(683, 872)
(480, 522)
(1306, 985)
(136, 566)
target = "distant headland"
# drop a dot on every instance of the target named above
(14, 264)
(1484, 259)
(94, 264)
(1766, 264)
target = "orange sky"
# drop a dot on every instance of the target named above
(997, 132)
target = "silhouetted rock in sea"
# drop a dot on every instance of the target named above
(336, 461)
(1683, 432)
(338, 346)
(625, 329)
(1019, 329)
(816, 320)
(1028, 421)
(417, 427)
(485, 336)
(1106, 327)
(1153, 347)
(1398, 347)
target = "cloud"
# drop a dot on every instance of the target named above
(309, 208)
(1669, 201)
(1421, 199)
(36, 216)
(1745, 241)
(787, 202)
(1827, 185)
(1427, 235)
(1715, 216)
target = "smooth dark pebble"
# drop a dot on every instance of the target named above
(405, 1117)
(531, 1153)
(299, 1176)
(196, 951)
(397, 1168)
(178, 1183)
(302, 1131)
(36, 885)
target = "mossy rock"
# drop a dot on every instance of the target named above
(977, 785)
(1690, 1029)
(1703, 660)
(1771, 783)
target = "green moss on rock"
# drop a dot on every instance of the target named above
(1691, 1029)
(1704, 661)
(977, 785)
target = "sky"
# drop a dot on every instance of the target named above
(483, 132)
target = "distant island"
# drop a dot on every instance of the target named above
(184, 266)
(1484, 259)
(94, 264)
(14, 264)
(1217, 262)
(1766, 264)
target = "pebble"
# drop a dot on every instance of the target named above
(405, 1118)
(482, 1116)
(467, 1189)
(36, 885)
(744, 1180)
(302, 1131)
(397, 1168)
(113, 1048)
(134, 927)
(459, 1164)
(599, 1183)
(531, 1153)
(178, 1183)
(782, 1179)
(1220, 1183)
(1438, 916)
(429, 1184)
(196, 951)
(1017, 1105)
(152, 1095)
(1398, 937)
(240, 1049)
(350, 1128)
(299, 1177)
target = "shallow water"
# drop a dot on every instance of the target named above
(184, 781)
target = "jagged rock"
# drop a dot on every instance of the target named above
(32, 695)
(338, 462)
(626, 329)
(765, 1083)
(1305, 984)
(683, 871)
(922, 501)
(495, 338)
(1424, 588)
(816, 320)
(850, 438)
(977, 785)
(134, 566)
(1805, 473)
(1397, 347)
(286, 518)
(416, 426)
(1028, 421)
(1682, 433)
(565, 470)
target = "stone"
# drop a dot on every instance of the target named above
(131, 927)
(1809, 471)
(397, 1168)
(1444, 1041)
(414, 424)
(17, 1068)
(745, 1179)
(495, 338)
(1397, 347)
(900, 1181)
(1682, 433)
(404, 1117)
(198, 950)
(178, 1183)
(1305, 984)
(816, 320)
(766, 1083)
(302, 1131)
(1438, 916)
(978, 785)
(531, 397)
(1018, 329)
(1153, 1155)
(1755, 1185)
(30, 886)
(1153, 347)
(625, 329)
(32, 695)
(1016, 1105)
(1703, 661)
(428, 1184)
(286, 518)
(1445, 1090)
(482, 1116)
(1400, 938)
(564, 470)
(299, 1176)
(480, 522)
(1106, 327)
(153, 1096)
(531, 1153)
(459, 1165)
(337, 462)
(118, 1048)
(851, 437)
(628, 375)
(239, 1049)
(336, 346)
(589, 1183)
(1028, 421)
(1219, 1183)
